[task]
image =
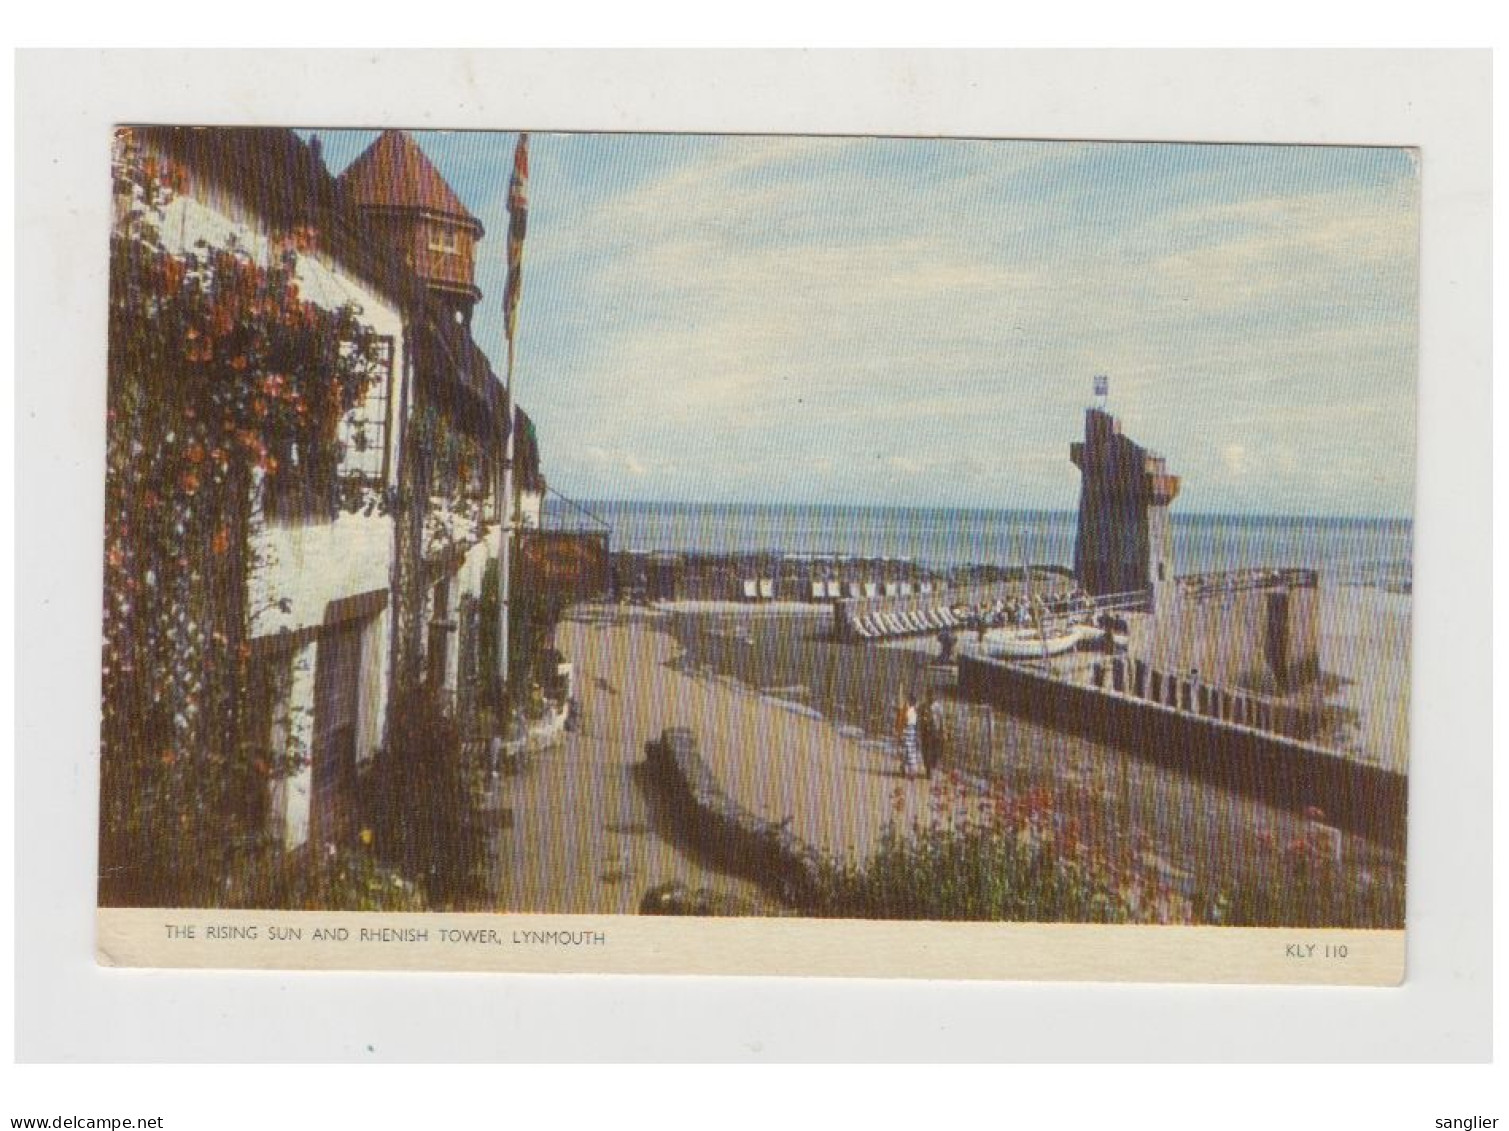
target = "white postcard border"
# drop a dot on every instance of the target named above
(67, 102)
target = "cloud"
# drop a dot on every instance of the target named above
(918, 322)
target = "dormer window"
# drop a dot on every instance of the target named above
(445, 241)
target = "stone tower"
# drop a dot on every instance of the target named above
(1125, 543)
(403, 195)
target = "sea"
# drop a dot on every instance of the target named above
(1372, 552)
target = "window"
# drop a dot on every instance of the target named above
(445, 241)
(441, 627)
(313, 481)
(363, 432)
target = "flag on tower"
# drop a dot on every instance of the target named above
(518, 221)
(1102, 385)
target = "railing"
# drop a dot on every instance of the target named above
(577, 519)
(1133, 601)
(1238, 581)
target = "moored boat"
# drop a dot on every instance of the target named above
(1025, 643)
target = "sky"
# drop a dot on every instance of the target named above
(918, 322)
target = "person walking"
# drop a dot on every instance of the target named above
(906, 727)
(946, 642)
(930, 734)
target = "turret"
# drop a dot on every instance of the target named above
(404, 197)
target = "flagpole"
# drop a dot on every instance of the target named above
(505, 544)
(518, 206)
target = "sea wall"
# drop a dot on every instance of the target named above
(1193, 736)
(1257, 630)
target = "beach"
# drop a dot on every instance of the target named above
(1365, 642)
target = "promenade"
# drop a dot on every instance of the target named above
(584, 832)
(775, 759)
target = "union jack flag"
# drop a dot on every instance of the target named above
(518, 221)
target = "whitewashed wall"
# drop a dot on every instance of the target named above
(531, 508)
(297, 570)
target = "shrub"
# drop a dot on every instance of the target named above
(1306, 886)
(987, 857)
(340, 879)
(1014, 857)
(425, 820)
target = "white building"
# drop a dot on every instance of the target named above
(332, 575)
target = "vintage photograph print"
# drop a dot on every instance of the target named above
(772, 554)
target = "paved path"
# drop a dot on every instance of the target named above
(583, 834)
(776, 761)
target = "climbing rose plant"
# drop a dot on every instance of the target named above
(225, 384)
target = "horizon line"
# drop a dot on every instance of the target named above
(608, 501)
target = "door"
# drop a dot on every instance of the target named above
(337, 691)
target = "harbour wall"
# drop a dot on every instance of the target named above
(1190, 725)
(1256, 628)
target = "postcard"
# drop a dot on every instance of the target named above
(691, 553)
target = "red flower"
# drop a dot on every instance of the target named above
(222, 541)
(222, 321)
(170, 275)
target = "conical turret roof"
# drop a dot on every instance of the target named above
(393, 172)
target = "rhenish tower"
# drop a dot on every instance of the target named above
(1125, 543)
(403, 196)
